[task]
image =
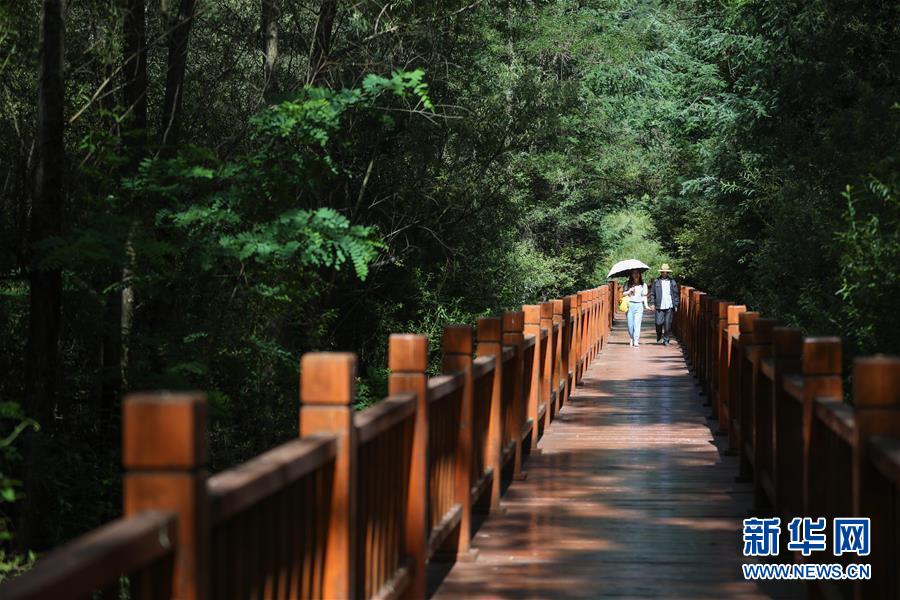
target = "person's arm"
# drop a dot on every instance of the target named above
(676, 296)
(647, 306)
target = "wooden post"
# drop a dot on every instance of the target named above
(730, 374)
(699, 341)
(579, 337)
(532, 314)
(876, 396)
(763, 416)
(589, 329)
(702, 310)
(549, 361)
(692, 331)
(596, 344)
(164, 455)
(821, 377)
(566, 337)
(604, 316)
(513, 327)
(744, 393)
(597, 319)
(681, 317)
(327, 392)
(458, 348)
(586, 331)
(559, 342)
(710, 319)
(609, 316)
(601, 336)
(572, 354)
(787, 444)
(407, 361)
(489, 337)
(721, 325)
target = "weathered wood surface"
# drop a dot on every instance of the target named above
(630, 495)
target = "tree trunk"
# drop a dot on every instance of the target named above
(120, 307)
(178, 31)
(135, 70)
(321, 41)
(42, 355)
(270, 13)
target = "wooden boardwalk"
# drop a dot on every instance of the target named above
(630, 495)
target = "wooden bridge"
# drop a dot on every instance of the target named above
(550, 459)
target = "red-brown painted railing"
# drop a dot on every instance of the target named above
(779, 398)
(361, 501)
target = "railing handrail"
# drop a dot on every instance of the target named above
(381, 416)
(362, 499)
(97, 559)
(779, 397)
(245, 485)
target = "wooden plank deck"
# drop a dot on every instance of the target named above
(630, 496)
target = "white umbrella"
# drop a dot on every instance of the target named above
(623, 267)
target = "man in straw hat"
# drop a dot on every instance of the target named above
(664, 296)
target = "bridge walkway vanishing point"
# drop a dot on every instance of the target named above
(548, 459)
(629, 496)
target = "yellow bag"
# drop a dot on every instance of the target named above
(623, 305)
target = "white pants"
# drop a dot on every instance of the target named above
(634, 316)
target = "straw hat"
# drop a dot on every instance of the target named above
(665, 268)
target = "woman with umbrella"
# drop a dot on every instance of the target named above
(635, 291)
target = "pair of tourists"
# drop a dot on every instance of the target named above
(662, 294)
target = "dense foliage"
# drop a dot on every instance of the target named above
(317, 175)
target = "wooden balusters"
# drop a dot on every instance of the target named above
(787, 444)
(807, 452)
(582, 338)
(682, 319)
(744, 391)
(458, 349)
(358, 505)
(720, 326)
(594, 326)
(327, 392)
(571, 343)
(565, 338)
(489, 336)
(699, 337)
(876, 395)
(578, 351)
(608, 311)
(597, 322)
(164, 455)
(407, 361)
(731, 375)
(763, 415)
(549, 362)
(821, 378)
(532, 315)
(558, 342)
(514, 417)
(705, 327)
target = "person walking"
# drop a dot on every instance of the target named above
(665, 298)
(636, 292)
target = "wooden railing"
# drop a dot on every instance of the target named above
(779, 398)
(362, 500)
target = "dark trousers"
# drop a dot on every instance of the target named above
(664, 323)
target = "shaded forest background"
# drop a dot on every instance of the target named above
(195, 192)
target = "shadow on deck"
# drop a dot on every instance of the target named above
(630, 496)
